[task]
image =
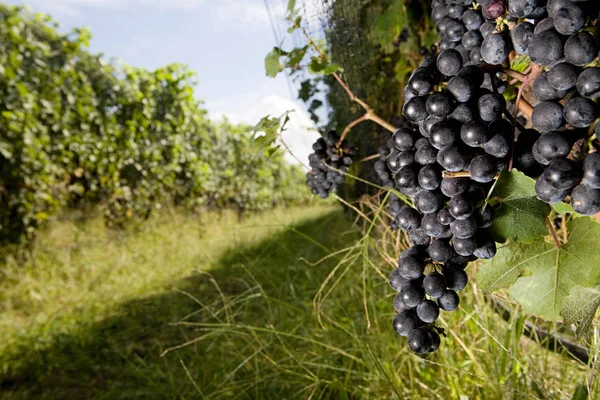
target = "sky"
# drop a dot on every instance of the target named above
(223, 41)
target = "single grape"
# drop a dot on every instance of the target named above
(462, 113)
(442, 135)
(427, 154)
(588, 83)
(444, 217)
(464, 247)
(434, 284)
(521, 37)
(415, 109)
(430, 177)
(580, 48)
(546, 48)
(550, 145)
(449, 300)
(412, 295)
(544, 92)
(418, 237)
(563, 76)
(404, 139)
(585, 200)
(521, 8)
(491, 106)
(431, 226)
(405, 322)
(548, 193)
(439, 104)
(580, 112)
(399, 305)
(419, 341)
(460, 88)
(495, 49)
(464, 228)
(547, 116)
(435, 341)
(397, 282)
(452, 159)
(569, 19)
(440, 250)
(460, 207)
(562, 173)
(428, 311)
(493, 9)
(453, 186)
(472, 19)
(474, 133)
(456, 278)
(485, 217)
(471, 39)
(591, 170)
(482, 168)
(486, 248)
(449, 62)
(428, 201)
(408, 218)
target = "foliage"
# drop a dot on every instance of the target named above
(76, 131)
(541, 274)
(520, 215)
(100, 334)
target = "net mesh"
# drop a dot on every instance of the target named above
(342, 24)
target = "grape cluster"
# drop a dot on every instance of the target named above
(328, 164)
(458, 128)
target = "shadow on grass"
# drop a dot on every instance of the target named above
(119, 356)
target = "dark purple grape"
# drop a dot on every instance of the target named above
(449, 300)
(585, 200)
(405, 322)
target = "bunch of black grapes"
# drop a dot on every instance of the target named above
(329, 164)
(557, 36)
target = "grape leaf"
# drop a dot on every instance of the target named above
(580, 307)
(563, 208)
(318, 66)
(541, 275)
(272, 64)
(518, 213)
(520, 63)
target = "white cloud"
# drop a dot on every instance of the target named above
(300, 133)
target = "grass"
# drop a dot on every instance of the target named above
(212, 308)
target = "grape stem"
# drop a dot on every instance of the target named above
(350, 126)
(460, 174)
(293, 155)
(525, 108)
(553, 233)
(369, 115)
(371, 157)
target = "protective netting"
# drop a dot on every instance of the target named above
(344, 25)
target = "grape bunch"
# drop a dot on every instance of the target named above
(445, 160)
(328, 164)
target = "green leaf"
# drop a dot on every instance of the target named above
(563, 208)
(266, 132)
(520, 63)
(273, 65)
(291, 5)
(580, 393)
(296, 56)
(518, 213)
(580, 307)
(318, 66)
(543, 275)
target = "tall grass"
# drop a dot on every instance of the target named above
(290, 304)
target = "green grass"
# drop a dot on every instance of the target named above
(212, 308)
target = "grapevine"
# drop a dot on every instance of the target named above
(506, 101)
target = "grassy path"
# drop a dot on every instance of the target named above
(217, 309)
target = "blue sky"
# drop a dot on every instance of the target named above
(224, 41)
